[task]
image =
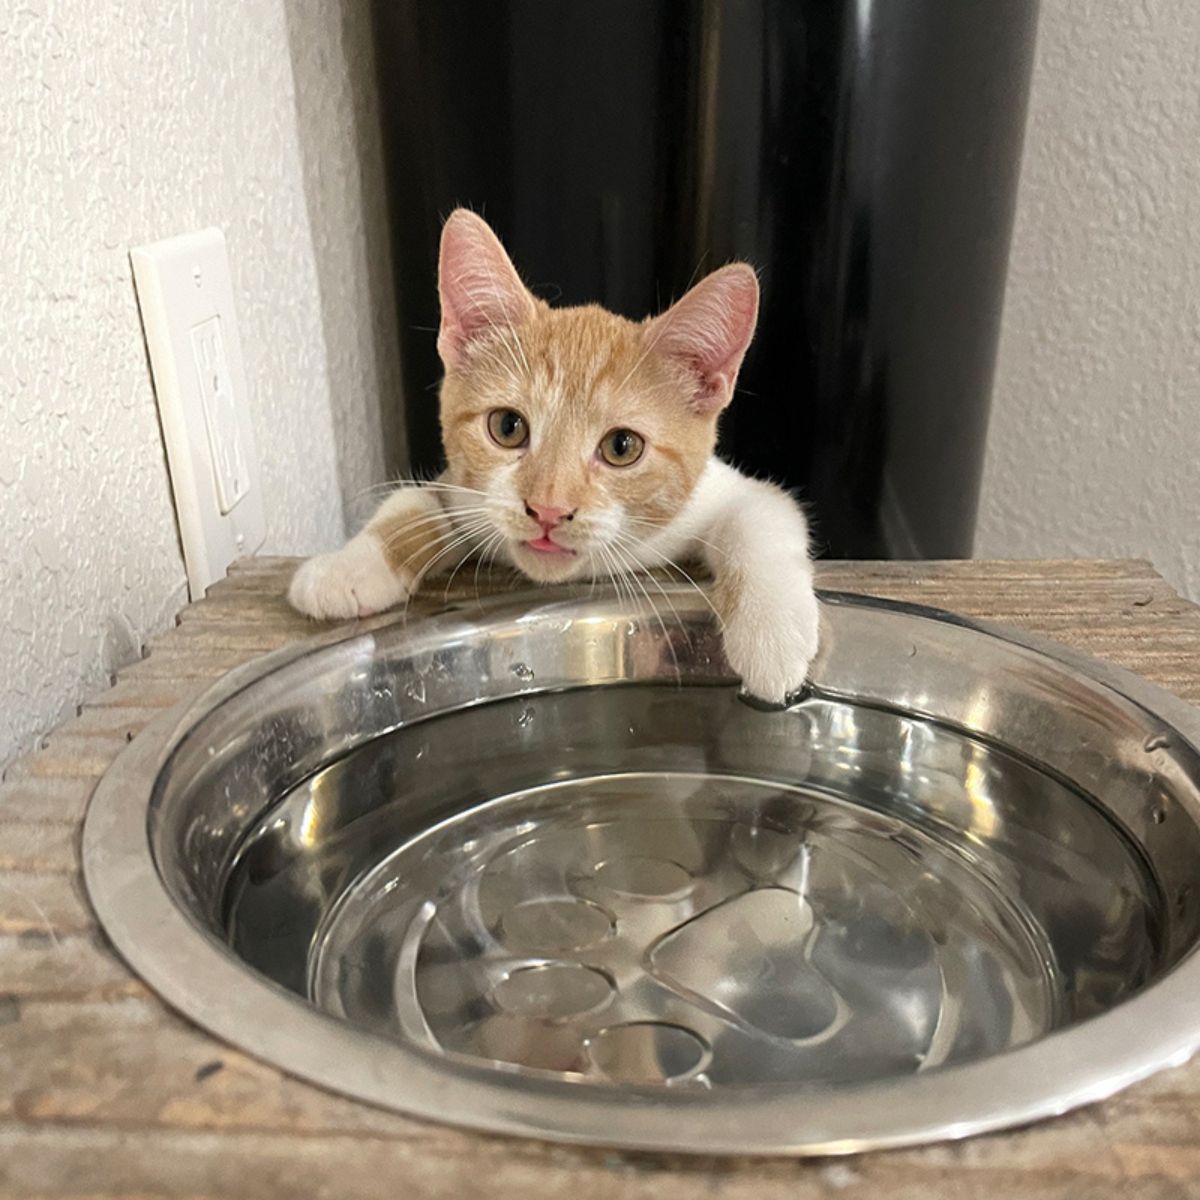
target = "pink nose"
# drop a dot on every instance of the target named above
(546, 515)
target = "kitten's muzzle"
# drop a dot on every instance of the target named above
(548, 519)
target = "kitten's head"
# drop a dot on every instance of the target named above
(584, 432)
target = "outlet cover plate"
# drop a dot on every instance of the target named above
(186, 299)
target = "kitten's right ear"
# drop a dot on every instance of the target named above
(479, 287)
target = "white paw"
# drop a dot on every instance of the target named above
(354, 581)
(771, 642)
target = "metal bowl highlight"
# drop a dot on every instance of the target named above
(535, 867)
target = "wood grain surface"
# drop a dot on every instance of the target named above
(104, 1092)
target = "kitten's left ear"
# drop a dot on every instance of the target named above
(707, 332)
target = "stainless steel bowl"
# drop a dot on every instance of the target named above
(535, 866)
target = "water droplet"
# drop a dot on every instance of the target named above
(631, 628)
(526, 718)
(912, 652)
(415, 690)
(1156, 741)
(522, 672)
(1158, 815)
(212, 750)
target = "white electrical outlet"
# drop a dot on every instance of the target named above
(186, 298)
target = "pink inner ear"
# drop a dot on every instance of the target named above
(708, 332)
(479, 287)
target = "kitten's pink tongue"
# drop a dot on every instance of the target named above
(546, 546)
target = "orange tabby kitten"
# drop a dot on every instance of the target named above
(579, 442)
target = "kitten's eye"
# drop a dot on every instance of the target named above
(508, 428)
(621, 447)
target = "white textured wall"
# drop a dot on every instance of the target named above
(124, 123)
(1094, 445)
(338, 119)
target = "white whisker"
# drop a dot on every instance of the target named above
(672, 565)
(635, 577)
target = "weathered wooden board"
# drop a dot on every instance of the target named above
(105, 1092)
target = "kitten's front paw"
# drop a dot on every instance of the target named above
(771, 644)
(354, 581)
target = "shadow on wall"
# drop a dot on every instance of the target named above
(337, 118)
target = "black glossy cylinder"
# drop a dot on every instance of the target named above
(863, 154)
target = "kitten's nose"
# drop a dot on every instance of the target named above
(546, 515)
